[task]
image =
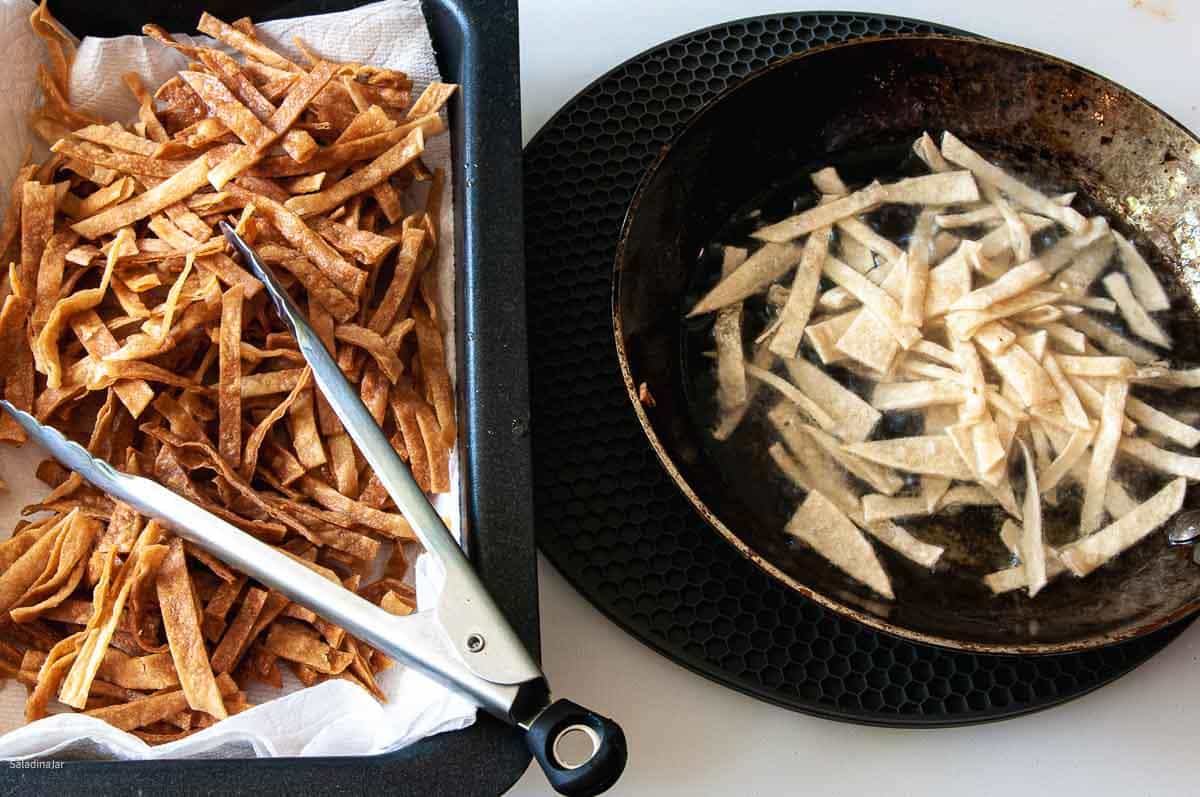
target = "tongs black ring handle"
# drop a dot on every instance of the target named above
(594, 774)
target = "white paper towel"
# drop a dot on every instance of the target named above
(335, 717)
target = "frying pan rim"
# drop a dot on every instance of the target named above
(1089, 642)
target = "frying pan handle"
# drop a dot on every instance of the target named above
(593, 775)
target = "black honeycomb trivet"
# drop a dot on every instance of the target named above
(607, 515)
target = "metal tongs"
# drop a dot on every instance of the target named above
(464, 643)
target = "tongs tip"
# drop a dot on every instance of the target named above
(23, 418)
(239, 244)
(264, 275)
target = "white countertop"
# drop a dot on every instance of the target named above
(688, 736)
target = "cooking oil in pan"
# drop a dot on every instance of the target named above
(969, 534)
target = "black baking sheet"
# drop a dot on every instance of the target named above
(476, 45)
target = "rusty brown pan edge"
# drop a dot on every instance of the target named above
(631, 389)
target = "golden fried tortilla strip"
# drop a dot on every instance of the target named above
(388, 199)
(45, 346)
(173, 298)
(230, 273)
(436, 449)
(63, 586)
(393, 603)
(189, 222)
(174, 189)
(25, 570)
(375, 345)
(122, 162)
(154, 708)
(229, 72)
(276, 87)
(227, 109)
(182, 624)
(166, 230)
(59, 661)
(182, 106)
(363, 245)
(218, 606)
(246, 26)
(396, 99)
(118, 138)
(238, 635)
(11, 228)
(17, 545)
(110, 598)
(373, 390)
(117, 191)
(197, 137)
(37, 224)
(12, 331)
(293, 642)
(304, 184)
(59, 44)
(319, 287)
(352, 89)
(88, 171)
(390, 524)
(263, 186)
(346, 277)
(349, 152)
(285, 467)
(20, 381)
(146, 114)
(109, 372)
(178, 418)
(259, 434)
(301, 93)
(399, 289)
(435, 95)
(59, 579)
(306, 439)
(160, 35)
(388, 163)
(373, 121)
(270, 382)
(147, 673)
(239, 41)
(230, 386)
(298, 144)
(404, 408)
(342, 463)
(435, 375)
(322, 531)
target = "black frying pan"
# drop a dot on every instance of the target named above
(1033, 112)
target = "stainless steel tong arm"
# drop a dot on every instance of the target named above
(472, 621)
(417, 640)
